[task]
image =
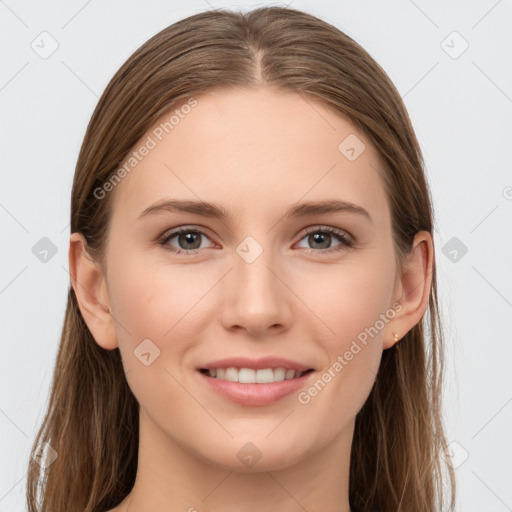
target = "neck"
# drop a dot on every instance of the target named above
(172, 478)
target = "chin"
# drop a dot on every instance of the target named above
(256, 456)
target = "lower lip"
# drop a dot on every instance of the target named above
(255, 395)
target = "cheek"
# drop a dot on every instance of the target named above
(347, 299)
(153, 299)
(156, 302)
(351, 307)
(353, 353)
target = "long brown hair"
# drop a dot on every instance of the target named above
(92, 417)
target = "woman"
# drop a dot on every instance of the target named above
(214, 357)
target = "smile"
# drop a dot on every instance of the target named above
(252, 376)
(252, 393)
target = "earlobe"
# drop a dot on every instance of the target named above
(416, 281)
(89, 285)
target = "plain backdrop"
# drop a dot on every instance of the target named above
(452, 64)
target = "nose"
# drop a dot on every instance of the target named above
(257, 299)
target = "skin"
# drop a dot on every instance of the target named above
(255, 152)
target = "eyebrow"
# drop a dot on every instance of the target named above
(213, 210)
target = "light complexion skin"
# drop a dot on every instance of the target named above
(255, 153)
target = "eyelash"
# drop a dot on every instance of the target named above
(346, 241)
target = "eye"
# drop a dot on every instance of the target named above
(189, 240)
(323, 237)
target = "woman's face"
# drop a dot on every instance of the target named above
(257, 283)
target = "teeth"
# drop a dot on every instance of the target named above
(262, 376)
(246, 375)
(251, 376)
(279, 374)
(231, 374)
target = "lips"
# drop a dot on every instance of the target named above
(255, 382)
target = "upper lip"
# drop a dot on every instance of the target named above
(256, 364)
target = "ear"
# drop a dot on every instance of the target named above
(415, 283)
(90, 289)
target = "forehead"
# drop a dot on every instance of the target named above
(254, 152)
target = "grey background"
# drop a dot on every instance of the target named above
(461, 108)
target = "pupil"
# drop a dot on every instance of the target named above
(190, 238)
(317, 237)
